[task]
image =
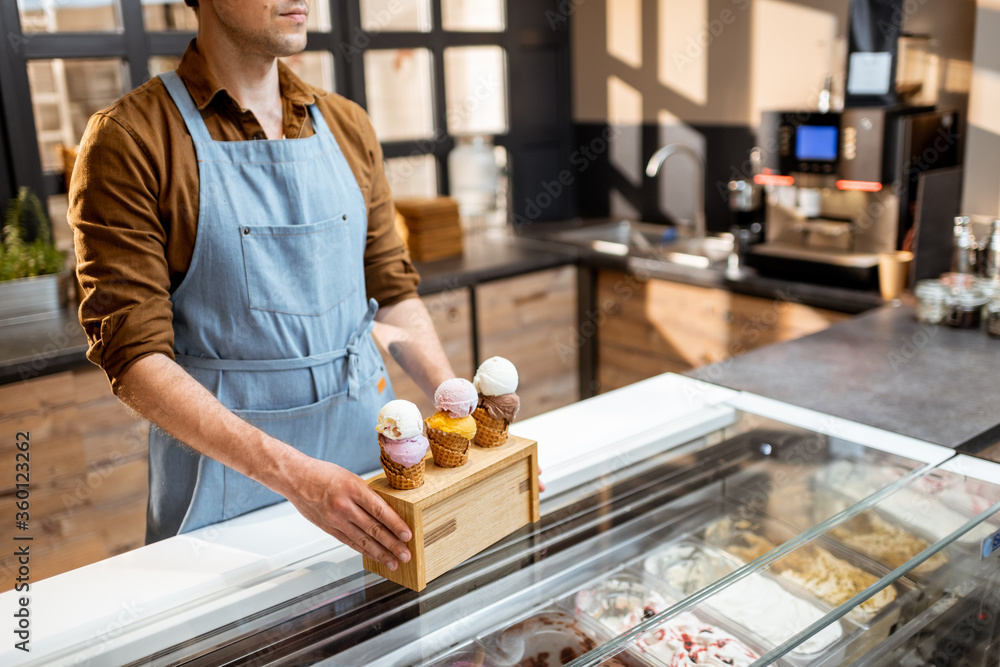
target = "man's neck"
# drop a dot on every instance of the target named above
(251, 78)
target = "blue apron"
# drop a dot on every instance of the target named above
(271, 317)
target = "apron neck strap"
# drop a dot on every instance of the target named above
(185, 104)
(319, 123)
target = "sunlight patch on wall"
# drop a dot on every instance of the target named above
(792, 49)
(683, 49)
(624, 31)
(625, 119)
(984, 99)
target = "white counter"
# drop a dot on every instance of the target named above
(132, 605)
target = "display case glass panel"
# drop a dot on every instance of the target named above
(747, 542)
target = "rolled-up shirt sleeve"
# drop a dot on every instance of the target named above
(389, 273)
(120, 243)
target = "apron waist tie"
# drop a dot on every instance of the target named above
(352, 351)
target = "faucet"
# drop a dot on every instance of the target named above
(661, 156)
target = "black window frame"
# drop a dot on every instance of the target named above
(20, 162)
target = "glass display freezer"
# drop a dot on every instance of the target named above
(759, 541)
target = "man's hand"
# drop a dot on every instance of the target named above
(341, 504)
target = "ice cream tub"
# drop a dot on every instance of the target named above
(760, 605)
(875, 534)
(934, 504)
(820, 569)
(815, 568)
(552, 636)
(624, 599)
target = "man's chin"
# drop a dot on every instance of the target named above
(284, 45)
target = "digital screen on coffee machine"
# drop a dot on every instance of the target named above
(816, 143)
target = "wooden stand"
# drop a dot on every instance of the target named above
(458, 512)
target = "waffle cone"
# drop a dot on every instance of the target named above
(450, 450)
(401, 477)
(489, 432)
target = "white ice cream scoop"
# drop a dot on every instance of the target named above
(400, 419)
(496, 376)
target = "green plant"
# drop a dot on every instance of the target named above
(27, 248)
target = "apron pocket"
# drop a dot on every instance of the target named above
(300, 269)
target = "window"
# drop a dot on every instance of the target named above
(65, 93)
(61, 16)
(398, 86)
(429, 72)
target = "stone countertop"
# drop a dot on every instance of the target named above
(884, 369)
(489, 257)
(41, 346)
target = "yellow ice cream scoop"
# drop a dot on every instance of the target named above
(463, 426)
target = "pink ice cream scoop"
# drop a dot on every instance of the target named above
(407, 452)
(457, 397)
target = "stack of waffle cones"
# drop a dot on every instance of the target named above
(401, 477)
(490, 432)
(450, 450)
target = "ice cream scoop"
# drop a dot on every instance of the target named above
(503, 407)
(407, 452)
(495, 376)
(464, 426)
(457, 396)
(400, 419)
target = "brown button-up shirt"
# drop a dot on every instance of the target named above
(133, 204)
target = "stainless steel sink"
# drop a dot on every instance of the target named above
(648, 240)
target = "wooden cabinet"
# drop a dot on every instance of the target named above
(88, 469)
(645, 328)
(532, 321)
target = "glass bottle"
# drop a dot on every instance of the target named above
(963, 256)
(991, 268)
(473, 175)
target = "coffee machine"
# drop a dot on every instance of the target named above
(841, 187)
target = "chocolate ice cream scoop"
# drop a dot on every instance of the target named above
(504, 406)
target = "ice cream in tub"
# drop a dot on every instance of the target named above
(551, 636)
(768, 610)
(825, 570)
(623, 600)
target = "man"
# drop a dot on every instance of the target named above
(231, 223)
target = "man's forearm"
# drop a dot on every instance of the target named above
(406, 330)
(162, 392)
